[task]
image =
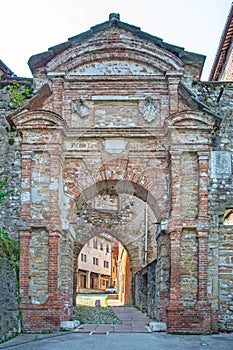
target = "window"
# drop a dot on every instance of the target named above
(83, 258)
(83, 281)
(101, 246)
(95, 243)
(95, 261)
(106, 264)
(107, 248)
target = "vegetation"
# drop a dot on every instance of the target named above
(7, 245)
(9, 249)
(3, 193)
(95, 315)
(20, 93)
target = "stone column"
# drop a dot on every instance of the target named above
(88, 274)
(99, 280)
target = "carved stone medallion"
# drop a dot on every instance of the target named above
(148, 108)
(81, 108)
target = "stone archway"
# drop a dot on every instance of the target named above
(117, 208)
(98, 125)
(125, 211)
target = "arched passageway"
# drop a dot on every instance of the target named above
(119, 209)
(104, 267)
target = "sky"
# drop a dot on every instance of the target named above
(29, 27)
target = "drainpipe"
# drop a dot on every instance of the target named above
(146, 233)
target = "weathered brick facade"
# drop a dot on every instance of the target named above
(113, 118)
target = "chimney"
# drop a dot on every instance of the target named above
(114, 17)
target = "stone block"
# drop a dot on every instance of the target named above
(220, 164)
(70, 325)
(158, 326)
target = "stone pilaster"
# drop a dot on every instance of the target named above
(175, 267)
(25, 186)
(173, 83)
(203, 186)
(175, 220)
(54, 188)
(57, 86)
(203, 226)
(53, 265)
(24, 235)
(175, 229)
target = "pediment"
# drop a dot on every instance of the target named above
(190, 120)
(122, 55)
(37, 120)
(118, 40)
(123, 48)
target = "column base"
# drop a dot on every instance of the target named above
(195, 319)
(46, 317)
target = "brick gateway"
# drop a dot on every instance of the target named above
(113, 121)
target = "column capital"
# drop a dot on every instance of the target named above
(26, 153)
(56, 233)
(24, 232)
(175, 154)
(54, 75)
(202, 234)
(175, 225)
(203, 156)
(176, 75)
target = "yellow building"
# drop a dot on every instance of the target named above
(95, 264)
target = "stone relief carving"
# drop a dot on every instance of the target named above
(81, 107)
(148, 108)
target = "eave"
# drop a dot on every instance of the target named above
(224, 45)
